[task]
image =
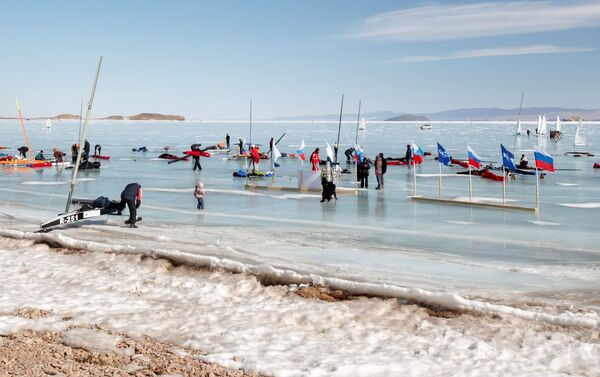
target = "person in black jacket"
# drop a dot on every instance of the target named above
(86, 150)
(349, 155)
(364, 172)
(227, 139)
(196, 148)
(409, 155)
(132, 197)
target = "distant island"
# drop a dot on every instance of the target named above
(65, 116)
(408, 118)
(154, 116)
(141, 116)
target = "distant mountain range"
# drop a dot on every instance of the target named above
(475, 114)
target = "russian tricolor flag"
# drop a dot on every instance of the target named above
(417, 153)
(474, 159)
(543, 160)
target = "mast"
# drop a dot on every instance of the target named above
(23, 128)
(357, 123)
(82, 137)
(518, 132)
(339, 130)
(80, 116)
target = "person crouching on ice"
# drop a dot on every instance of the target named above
(132, 196)
(199, 194)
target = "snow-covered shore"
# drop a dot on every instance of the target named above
(268, 329)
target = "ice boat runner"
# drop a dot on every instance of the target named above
(88, 208)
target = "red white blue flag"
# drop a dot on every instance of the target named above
(474, 159)
(543, 160)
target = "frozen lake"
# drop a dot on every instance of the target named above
(375, 236)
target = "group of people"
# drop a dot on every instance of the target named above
(59, 156)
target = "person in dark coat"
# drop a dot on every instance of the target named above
(196, 148)
(409, 155)
(227, 139)
(241, 146)
(380, 169)
(86, 150)
(97, 150)
(23, 151)
(132, 197)
(74, 151)
(364, 172)
(349, 155)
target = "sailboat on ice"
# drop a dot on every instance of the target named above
(88, 208)
(580, 140)
(541, 126)
(556, 134)
(363, 125)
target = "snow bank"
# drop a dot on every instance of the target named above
(91, 340)
(272, 275)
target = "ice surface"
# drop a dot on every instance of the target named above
(534, 268)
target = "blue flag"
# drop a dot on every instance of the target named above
(507, 159)
(443, 156)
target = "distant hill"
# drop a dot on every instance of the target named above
(374, 116)
(66, 116)
(528, 113)
(408, 118)
(154, 116)
(114, 117)
(474, 114)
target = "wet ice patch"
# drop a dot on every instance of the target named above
(43, 183)
(459, 222)
(580, 205)
(543, 223)
(568, 184)
(483, 199)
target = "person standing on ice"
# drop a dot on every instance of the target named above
(86, 150)
(315, 159)
(255, 156)
(227, 139)
(196, 156)
(363, 169)
(408, 157)
(380, 169)
(132, 197)
(199, 194)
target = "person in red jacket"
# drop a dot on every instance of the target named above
(255, 155)
(315, 159)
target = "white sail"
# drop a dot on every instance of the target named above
(363, 124)
(519, 131)
(539, 125)
(580, 139)
(543, 128)
(557, 123)
(48, 123)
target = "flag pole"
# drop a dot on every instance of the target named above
(503, 185)
(537, 190)
(470, 185)
(414, 177)
(440, 181)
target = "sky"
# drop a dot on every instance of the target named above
(207, 59)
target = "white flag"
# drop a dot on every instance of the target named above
(329, 151)
(276, 153)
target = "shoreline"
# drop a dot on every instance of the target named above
(269, 275)
(298, 329)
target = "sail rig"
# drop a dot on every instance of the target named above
(86, 211)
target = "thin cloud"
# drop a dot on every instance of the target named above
(445, 22)
(503, 51)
